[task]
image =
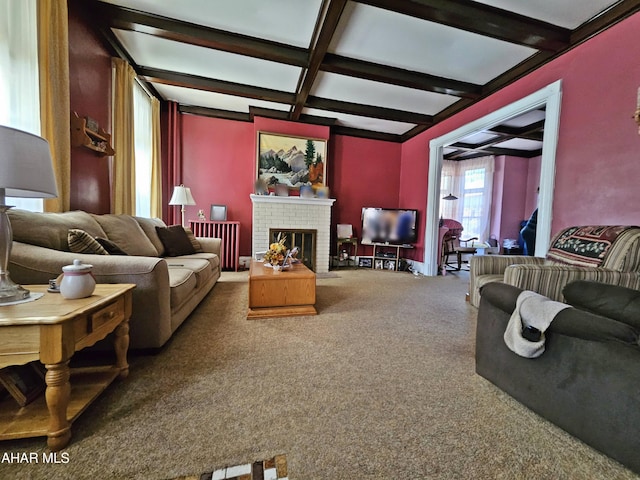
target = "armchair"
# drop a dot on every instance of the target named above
(605, 254)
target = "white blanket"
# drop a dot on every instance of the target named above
(532, 309)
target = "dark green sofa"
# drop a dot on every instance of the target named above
(587, 381)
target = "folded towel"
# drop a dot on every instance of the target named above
(535, 310)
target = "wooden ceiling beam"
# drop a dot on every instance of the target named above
(533, 131)
(281, 115)
(398, 76)
(370, 134)
(210, 85)
(192, 34)
(615, 14)
(368, 111)
(484, 20)
(214, 113)
(512, 152)
(325, 30)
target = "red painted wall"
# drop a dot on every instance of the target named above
(218, 156)
(533, 182)
(90, 95)
(364, 173)
(514, 173)
(219, 161)
(597, 161)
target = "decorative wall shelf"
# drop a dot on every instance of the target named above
(94, 139)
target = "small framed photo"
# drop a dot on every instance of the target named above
(378, 265)
(365, 262)
(390, 265)
(218, 213)
(24, 382)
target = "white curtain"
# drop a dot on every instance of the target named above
(472, 182)
(19, 82)
(143, 145)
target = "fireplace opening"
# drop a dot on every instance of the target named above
(305, 240)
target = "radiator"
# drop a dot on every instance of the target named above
(229, 232)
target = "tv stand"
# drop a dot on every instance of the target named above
(386, 256)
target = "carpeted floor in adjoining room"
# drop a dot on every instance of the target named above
(380, 385)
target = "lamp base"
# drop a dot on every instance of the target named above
(10, 291)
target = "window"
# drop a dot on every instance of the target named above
(19, 83)
(473, 202)
(143, 137)
(472, 182)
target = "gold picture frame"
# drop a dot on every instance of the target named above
(291, 161)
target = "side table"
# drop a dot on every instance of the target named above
(51, 329)
(352, 254)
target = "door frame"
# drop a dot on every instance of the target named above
(549, 96)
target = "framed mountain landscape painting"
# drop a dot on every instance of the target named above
(291, 161)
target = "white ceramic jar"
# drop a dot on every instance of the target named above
(77, 280)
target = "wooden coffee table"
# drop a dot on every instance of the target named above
(288, 293)
(50, 330)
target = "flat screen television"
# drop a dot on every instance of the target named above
(386, 225)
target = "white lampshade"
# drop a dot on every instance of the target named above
(181, 196)
(26, 169)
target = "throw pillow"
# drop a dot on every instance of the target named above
(81, 242)
(197, 247)
(620, 303)
(127, 233)
(110, 246)
(175, 240)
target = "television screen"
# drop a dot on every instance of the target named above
(380, 225)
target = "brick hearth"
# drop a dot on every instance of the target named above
(289, 213)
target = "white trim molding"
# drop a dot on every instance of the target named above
(549, 96)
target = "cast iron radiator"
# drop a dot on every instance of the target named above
(229, 232)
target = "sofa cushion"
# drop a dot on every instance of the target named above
(197, 247)
(212, 258)
(199, 266)
(50, 230)
(81, 242)
(127, 234)
(619, 303)
(109, 246)
(182, 283)
(148, 226)
(175, 241)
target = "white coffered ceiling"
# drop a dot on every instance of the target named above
(383, 69)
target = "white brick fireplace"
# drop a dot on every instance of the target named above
(293, 213)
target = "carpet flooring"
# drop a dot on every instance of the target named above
(380, 385)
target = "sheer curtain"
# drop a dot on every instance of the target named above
(19, 81)
(472, 182)
(142, 114)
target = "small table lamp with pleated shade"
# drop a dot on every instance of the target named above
(26, 171)
(182, 196)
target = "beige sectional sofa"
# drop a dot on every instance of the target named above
(167, 290)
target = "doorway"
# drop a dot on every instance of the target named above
(548, 97)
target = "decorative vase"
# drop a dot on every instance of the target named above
(77, 280)
(277, 268)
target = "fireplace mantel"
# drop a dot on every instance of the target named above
(292, 200)
(287, 213)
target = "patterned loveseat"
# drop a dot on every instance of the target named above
(605, 254)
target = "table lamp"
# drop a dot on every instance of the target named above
(182, 196)
(26, 171)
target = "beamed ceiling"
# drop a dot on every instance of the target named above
(382, 69)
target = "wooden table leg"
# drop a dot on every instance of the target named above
(121, 345)
(57, 396)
